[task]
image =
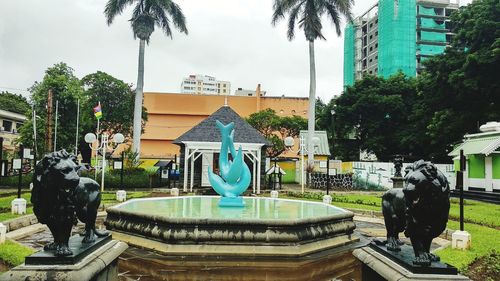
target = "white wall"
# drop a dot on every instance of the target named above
(380, 173)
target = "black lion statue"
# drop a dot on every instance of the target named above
(59, 196)
(420, 209)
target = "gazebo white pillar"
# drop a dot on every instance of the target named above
(186, 156)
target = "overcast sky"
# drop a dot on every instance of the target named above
(232, 40)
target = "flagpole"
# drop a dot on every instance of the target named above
(55, 132)
(77, 124)
(34, 133)
(96, 152)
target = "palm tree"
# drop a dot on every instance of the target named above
(146, 14)
(308, 14)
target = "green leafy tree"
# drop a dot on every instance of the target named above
(66, 90)
(117, 101)
(308, 14)
(377, 109)
(459, 90)
(145, 16)
(275, 128)
(14, 103)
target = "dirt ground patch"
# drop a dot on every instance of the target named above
(486, 268)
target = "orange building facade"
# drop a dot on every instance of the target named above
(172, 114)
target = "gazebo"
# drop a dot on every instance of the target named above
(200, 148)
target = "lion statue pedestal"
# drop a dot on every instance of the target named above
(60, 198)
(420, 210)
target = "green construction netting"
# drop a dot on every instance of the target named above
(349, 50)
(430, 36)
(397, 37)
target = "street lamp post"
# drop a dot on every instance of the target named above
(332, 112)
(90, 138)
(290, 142)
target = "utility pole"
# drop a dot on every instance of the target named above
(48, 136)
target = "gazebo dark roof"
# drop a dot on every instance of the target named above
(206, 130)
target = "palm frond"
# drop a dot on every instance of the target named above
(162, 20)
(281, 7)
(344, 7)
(178, 17)
(309, 14)
(334, 16)
(114, 8)
(311, 21)
(291, 21)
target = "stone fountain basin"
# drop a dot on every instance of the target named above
(196, 225)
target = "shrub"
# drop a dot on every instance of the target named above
(12, 181)
(132, 179)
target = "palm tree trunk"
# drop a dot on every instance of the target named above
(136, 145)
(312, 106)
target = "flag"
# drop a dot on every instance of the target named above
(98, 111)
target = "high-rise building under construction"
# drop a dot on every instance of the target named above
(396, 35)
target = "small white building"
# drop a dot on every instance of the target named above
(10, 122)
(482, 152)
(205, 85)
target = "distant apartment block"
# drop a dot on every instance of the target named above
(396, 35)
(204, 85)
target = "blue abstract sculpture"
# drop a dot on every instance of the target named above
(235, 175)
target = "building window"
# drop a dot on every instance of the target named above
(7, 126)
(224, 90)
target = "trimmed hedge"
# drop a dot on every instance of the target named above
(12, 181)
(132, 179)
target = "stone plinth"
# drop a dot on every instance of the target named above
(274, 194)
(461, 240)
(101, 264)
(398, 182)
(121, 195)
(19, 206)
(379, 267)
(327, 199)
(174, 191)
(3, 231)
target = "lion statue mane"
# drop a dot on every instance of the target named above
(420, 209)
(60, 196)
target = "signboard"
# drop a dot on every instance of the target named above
(117, 165)
(16, 164)
(164, 174)
(27, 153)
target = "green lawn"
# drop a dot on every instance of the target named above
(477, 212)
(482, 222)
(14, 253)
(484, 241)
(110, 197)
